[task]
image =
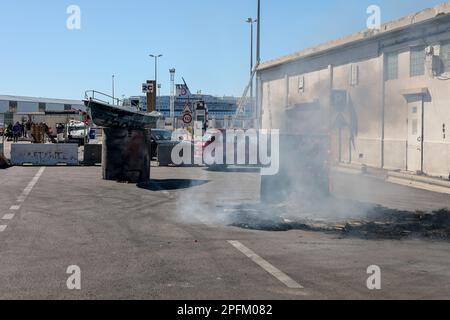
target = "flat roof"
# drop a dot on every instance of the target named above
(40, 100)
(386, 28)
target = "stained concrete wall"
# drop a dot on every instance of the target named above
(381, 141)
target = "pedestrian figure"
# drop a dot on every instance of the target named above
(28, 129)
(16, 132)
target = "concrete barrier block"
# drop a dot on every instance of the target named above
(44, 154)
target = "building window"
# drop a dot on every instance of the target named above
(445, 56)
(354, 75)
(392, 66)
(301, 84)
(13, 106)
(417, 61)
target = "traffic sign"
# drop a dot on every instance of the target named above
(187, 108)
(187, 118)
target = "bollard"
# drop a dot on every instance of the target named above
(126, 155)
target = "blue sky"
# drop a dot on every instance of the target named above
(207, 41)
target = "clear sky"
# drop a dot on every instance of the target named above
(207, 41)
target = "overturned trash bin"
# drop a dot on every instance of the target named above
(126, 155)
(126, 151)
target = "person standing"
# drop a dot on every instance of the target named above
(16, 132)
(28, 129)
(22, 130)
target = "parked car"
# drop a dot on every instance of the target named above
(159, 137)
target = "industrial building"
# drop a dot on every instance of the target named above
(383, 96)
(18, 104)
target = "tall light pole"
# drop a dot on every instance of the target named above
(258, 39)
(258, 61)
(172, 94)
(113, 89)
(159, 95)
(251, 21)
(156, 57)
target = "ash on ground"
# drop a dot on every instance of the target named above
(345, 219)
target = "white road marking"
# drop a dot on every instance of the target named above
(8, 216)
(26, 192)
(284, 278)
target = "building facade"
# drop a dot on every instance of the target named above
(383, 95)
(18, 104)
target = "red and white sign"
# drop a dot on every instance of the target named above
(187, 118)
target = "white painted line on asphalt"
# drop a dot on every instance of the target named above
(8, 216)
(26, 192)
(284, 278)
(3, 228)
(14, 208)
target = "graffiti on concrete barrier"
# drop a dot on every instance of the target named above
(44, 154)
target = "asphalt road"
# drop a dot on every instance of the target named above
(165, 241)
(373, 190)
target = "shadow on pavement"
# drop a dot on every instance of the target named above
(171, 184)
(225, 169)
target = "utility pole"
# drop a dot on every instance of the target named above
(172, 95)
(251, 21)
(258, 61)
(258, 44)
(156, 57)
(158, 104)
(113, 90)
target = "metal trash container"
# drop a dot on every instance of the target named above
(92, 154)
(126, 155)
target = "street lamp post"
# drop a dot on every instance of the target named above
(156, 57)
(251, 21)
(258, 39)
(258, 61)
(113, 90)
(172, 94)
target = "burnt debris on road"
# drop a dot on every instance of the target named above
(376, 222)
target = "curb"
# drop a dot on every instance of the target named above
(400, 178)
